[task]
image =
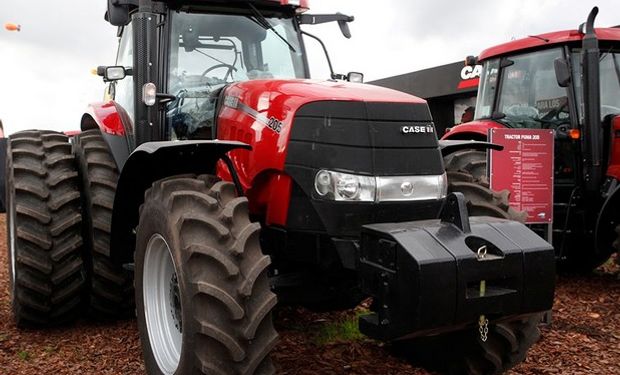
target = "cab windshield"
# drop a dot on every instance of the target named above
(208, 51)
(609, 70)
(529, 95)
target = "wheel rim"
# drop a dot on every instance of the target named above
(162, 307)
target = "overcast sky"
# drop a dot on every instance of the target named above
(45, 79)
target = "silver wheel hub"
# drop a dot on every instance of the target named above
(162, 304)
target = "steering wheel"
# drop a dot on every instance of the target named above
(517, 110)
(555, 113)
(223, 65)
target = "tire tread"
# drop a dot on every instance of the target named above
(50, 273)
(224, 267)
(111, 293)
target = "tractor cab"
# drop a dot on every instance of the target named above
(182, 54)
(520, 91)
(208, 51)
(529, 89)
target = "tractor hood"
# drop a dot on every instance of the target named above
(312, 90)
(271, 115)
(274, 112)
(274, 103)
(296, 93)
(299, 127)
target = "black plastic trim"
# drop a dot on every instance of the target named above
(119, 147)
(449, 146)
(309, 212)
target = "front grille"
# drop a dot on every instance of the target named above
(360, 138)
(365, 138)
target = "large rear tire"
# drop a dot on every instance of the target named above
(111, 286)
(578, 256)
(47, 274)
(466, 171)
(471, 162)
(463, 352)
(202, 293)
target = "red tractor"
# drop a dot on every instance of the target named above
(220, 174)
(568, 81)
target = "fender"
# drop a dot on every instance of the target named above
(608, 218)
(115, 126)
(476, 130)
(449, 146)
(150, 162)
(268, 193)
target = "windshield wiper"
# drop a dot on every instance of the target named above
(500, 118)
(264, 23)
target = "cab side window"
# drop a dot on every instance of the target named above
(124, 88)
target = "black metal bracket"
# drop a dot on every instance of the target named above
(315, 19)
(233, 174)
(454, 211)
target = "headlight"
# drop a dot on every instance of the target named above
(411, 188)
(348, 187)
(345, 187)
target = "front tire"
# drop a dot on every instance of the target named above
(202, 293)
(463, 352)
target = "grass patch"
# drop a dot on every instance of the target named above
(23, 355)
(346, 330)
(49, 349)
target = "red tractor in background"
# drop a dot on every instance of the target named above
(568, 81)
(220, 174)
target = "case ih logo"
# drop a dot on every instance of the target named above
(411, 129)
(470, 76)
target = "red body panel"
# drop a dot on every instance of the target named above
(302, 3)
(557, 37)
(613, 168)
(261, 170)
(108, 116)
(477, 129)
(468, 83)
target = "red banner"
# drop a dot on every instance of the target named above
(525, 168)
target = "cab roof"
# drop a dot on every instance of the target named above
(548, 39)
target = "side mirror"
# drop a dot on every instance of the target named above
(344, 27)
(471, 61)
(315, 19)
(117, 15)
(112, 73)
(355, 77)
(562, 72)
